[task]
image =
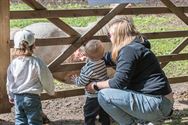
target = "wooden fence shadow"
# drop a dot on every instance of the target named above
(179, 117)
(66, 122)
(3, 122)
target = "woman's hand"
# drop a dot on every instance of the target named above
(89, 88)
(100, 85)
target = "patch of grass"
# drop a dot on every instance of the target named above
(164, 46)
(80, 22)
(77, 22)
(156, 23)
(22, 6)
(19, 6)
(24, 23)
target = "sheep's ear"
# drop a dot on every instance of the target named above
(113, 5)
(129, 5)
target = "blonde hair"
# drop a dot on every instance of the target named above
(94, 49)
(124, 33)
(24, 50)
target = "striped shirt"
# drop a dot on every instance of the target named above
(92, 71)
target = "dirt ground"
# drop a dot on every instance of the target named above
(68, 111)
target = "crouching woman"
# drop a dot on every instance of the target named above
(139, 90)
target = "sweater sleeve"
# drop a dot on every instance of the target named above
(46, 78)
(85, 76)
(10, 81)
(125, 67)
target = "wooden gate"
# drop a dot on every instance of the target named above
(76, 39)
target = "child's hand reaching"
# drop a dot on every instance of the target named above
(73, 78)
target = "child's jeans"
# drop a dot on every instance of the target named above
(27, 109)
(129, 107)
(92, 109)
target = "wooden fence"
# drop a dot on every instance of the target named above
(76, 39)
(146, 3)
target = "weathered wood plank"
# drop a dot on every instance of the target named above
(52, 41)
(64, 94)
(55, 41)
(179, 79)
(70, 67)
(167, 34)
(62, 57)
(28, 14)
(173, 57)
(165, 58)
(56, 21)
(4, 54)
(80, 91)
(176, 10)
(34, 4)
(104, 38)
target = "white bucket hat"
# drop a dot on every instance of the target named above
(23, 35)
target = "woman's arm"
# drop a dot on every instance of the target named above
(46, 78)
(124, 71)
(85, 76)
(125, 68)
(10, 81)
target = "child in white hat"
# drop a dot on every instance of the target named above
(27, 76)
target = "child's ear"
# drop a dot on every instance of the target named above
(85, 52)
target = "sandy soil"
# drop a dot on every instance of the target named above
(68, 111)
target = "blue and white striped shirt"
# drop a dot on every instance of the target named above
(92, 71)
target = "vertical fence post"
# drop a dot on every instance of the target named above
(4, 53)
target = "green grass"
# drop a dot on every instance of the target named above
(144, 23)
(77, 22)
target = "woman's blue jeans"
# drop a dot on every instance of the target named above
(27, 109)
(128, 107)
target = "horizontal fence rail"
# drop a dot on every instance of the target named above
(31, 14)
(164, 58)
(80, 91)
(63, 94)
(104, 38)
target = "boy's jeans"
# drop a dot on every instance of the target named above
(27, 109)
(129, 107)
